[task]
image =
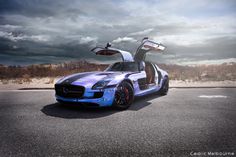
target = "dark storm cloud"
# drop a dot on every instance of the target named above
(36, 8)
(222, 49)
(54, 31)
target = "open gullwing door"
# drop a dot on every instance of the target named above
(146, 46)
(108, 51)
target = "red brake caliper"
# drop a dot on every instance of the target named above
(126, 94)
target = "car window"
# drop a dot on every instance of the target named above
(123, 66)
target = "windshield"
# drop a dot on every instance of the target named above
(123, 66)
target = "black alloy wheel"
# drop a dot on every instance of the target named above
(124, 96)
(165, 87)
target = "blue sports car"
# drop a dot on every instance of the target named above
(119, 83)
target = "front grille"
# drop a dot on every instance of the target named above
(69, 91)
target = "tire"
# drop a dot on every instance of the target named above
(124, 96)
(165, 87)
(61, 103)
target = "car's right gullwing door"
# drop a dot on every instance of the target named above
(146, 46)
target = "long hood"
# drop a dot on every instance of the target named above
(88, 79)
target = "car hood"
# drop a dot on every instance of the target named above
(88, 79)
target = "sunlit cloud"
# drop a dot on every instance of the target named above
(144, 32)
(124, 39)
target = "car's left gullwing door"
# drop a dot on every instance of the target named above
(146, 46)
(108, 51)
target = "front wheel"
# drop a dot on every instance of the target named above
(165, 87)
(124, 96)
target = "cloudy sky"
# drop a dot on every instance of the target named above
(49, 31)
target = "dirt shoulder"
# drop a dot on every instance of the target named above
(37, 83)
(201, 84)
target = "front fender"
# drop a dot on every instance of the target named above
(117, 80)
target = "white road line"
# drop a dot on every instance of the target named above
(212, 96)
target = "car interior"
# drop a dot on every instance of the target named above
(123, 66)
(150, 72)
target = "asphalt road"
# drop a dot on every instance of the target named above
(185, 121)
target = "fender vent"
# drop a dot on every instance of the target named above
(98, 94)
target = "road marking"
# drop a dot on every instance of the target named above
(212, 96)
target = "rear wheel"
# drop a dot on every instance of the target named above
(124, 96)
(165, 87)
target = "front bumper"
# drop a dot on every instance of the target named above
(88, 97)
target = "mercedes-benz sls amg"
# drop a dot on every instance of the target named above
(119, 83)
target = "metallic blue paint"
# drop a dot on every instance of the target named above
(80, 87)
(106, 100)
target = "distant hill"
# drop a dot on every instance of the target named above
(220, 72)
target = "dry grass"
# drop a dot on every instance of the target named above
(50, 80)
(22, 75)
(5, 81)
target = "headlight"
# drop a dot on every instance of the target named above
(101, 84)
